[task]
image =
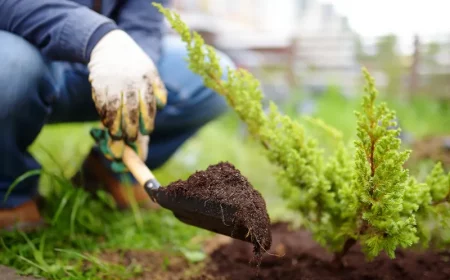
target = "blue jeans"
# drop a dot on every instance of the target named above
(35, 91)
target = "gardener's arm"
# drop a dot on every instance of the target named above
(144, 23)
(61, 30)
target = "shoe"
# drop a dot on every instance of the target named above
(25, 217)
(94, 176)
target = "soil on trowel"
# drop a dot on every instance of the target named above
(295, 255)
(225, 184)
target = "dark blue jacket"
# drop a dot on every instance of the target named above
(69, 29)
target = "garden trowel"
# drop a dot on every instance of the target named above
(203, 213)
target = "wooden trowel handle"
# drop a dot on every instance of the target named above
(139, 170)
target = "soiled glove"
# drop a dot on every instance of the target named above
(113, 149)
(126, 87)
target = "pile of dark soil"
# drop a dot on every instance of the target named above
(302, 258)
(224, 184)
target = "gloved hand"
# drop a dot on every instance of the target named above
(126, 87)
(113, 149)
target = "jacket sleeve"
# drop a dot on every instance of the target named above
(61, 30)
(144, 23)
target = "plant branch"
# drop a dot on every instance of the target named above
(349, 243)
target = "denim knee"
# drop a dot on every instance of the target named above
(22, 69)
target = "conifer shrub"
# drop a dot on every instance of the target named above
(360, 194)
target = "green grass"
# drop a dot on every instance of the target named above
(82, 227)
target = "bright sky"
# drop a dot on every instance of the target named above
(402, 17)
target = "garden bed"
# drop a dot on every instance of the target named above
(302, 258)
(294, 255)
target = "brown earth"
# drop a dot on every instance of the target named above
(294, 255)
(299, 257)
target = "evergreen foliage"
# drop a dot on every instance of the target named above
(361, 194)
(380, 180)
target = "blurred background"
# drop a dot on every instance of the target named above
(312, 45)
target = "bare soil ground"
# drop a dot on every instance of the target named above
(301, 258)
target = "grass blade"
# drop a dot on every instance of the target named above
(21, 178)
(61, 205)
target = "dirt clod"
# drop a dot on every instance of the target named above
(224, 184)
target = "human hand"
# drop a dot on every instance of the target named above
(126, 87)
(113, 150)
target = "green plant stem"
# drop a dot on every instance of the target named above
(349, 243)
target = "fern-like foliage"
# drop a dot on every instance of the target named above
(362, 194)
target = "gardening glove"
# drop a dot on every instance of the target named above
(113, 149)
(126, 87)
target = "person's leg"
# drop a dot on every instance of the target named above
(34, 91)
(26, 95)
(74, 104)
(190, 104)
